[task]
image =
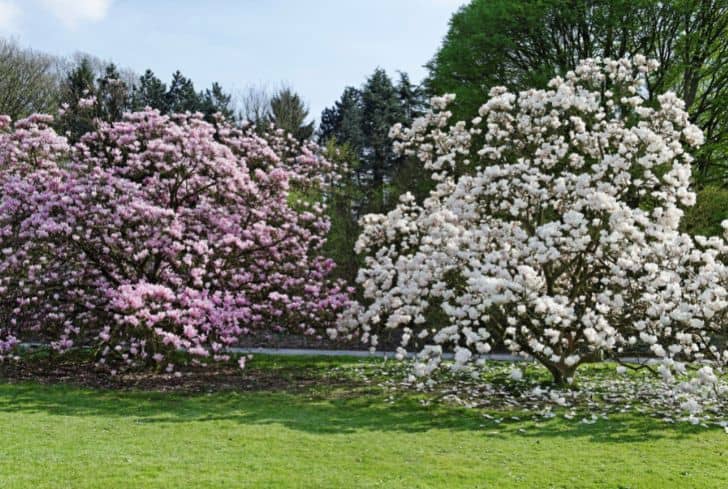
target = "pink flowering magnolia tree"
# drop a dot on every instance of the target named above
(158, 234)
(553, 230)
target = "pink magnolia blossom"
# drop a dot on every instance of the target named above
(159, 233)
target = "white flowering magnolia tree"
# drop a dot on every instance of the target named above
(553, 230)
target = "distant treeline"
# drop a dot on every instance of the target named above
(516, 43)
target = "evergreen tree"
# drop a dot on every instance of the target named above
(76, 93)
(361, 120)
(381, 109)
(344, 121)
(112, 97)
(343, 200)
(181, 96)
(411, 98)
(150, 92)
(288, 112)
(329, 124)
(215, 100)
(355, 130)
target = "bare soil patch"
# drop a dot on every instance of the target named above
(187, 379)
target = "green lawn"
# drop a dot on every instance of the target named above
(329, 436)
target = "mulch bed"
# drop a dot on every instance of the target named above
(83, 373)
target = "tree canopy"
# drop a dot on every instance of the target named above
(362, 119)
(522, 43)
(288, 112)
(28, 81)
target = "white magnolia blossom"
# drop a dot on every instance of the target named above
(553, 230)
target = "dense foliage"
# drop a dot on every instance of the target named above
(522, 44)
(86, 98)
(28, 81)
(157, 234)
(361, 120)
(288, 112)
(561, 241)
(357, 128)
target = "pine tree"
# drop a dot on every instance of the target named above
(344, 121)
(411, 98)
(112, 97)
(78, 85)
(356, 131)
(151, 92)
(181, 96)
(329, 124)
(381, 109)
(215, 100)
(288, 112)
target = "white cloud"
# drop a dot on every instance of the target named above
(9, 15)
(74, 12)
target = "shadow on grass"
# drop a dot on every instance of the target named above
(335, 412)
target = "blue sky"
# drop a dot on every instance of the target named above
(318, 47)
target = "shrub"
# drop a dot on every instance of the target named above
(553, 229)
(157, 234)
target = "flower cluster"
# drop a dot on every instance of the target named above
(157, 234)
(553, 231)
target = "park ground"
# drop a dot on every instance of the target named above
(313, 422)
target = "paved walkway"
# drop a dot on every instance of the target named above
(498, 357)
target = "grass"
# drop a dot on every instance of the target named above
(329, 436)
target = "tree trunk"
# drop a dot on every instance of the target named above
(561, 373)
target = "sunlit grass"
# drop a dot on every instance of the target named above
(332, 435)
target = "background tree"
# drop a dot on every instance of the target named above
(706, 216)
(29, 81)
(255, 106)
(78, 98)
(381, 109)
(411, 98)
(181, 96)
(216, 101)
(112, 95)
(343, 199)
(288, 112)
(361, 120)
(150, 91)
(344, 121)
(520, 43)
(87, 99)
